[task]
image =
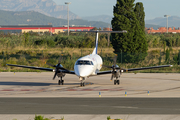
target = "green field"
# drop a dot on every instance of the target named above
(36, 50)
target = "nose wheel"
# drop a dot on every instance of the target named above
(82, 79)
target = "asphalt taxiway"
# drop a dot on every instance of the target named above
(139, 96)
(90, 106)
(31, 84)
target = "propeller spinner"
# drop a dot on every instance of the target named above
(57, 67)
(114, 68)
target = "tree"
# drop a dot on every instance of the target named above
(167, 56)
(140, 14)
(133, 42)
(26, 39)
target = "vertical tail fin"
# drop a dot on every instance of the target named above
(96, 44)
(97, 32)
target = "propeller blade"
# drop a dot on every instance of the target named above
(112, 77)
(63, 68)
(60, 59)
(51, 65)
(122, 69)
(117, 68)
(107, 66)
(55, 75)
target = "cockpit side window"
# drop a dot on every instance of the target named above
(80, 62)
(87, 62)
(84, 62)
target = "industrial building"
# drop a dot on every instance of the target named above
(163, 30)
(40, 28)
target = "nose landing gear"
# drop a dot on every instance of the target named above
(82, 81)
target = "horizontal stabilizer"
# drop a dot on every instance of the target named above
(99, 31)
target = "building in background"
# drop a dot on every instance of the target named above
(40, 28)
(163, 30)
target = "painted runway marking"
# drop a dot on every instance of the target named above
(129, 107)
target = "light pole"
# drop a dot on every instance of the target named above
(167, 21)
(67, 3)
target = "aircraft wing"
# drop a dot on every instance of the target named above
(104, 72)
(31, 67)
(134, 69)
(68, 72)
(145, 68)
(40, 68)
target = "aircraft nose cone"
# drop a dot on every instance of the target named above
(83, 71)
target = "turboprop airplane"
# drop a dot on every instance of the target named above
(89, 65)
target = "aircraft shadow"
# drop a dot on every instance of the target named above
(77, 83)
(27, 83)
(37, 84)
(71, 83)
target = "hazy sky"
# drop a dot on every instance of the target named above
(153, 8)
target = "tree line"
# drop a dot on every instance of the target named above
(31, 39)
(81, 40)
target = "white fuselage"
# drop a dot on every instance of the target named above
(88, 65)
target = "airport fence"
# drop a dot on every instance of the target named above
(40, 58)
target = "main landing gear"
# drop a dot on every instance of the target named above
(82, 84)
(61, 82)
(116, 82)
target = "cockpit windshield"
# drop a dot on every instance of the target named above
(84, 62)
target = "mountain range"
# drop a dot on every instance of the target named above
(104, 18)
(30, 12)
(46, 7)
(36, 18)
(173, 21)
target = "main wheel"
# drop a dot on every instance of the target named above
(83, 84)
(118, 82)
(62, 81)
(59, 82)
(115, 82)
